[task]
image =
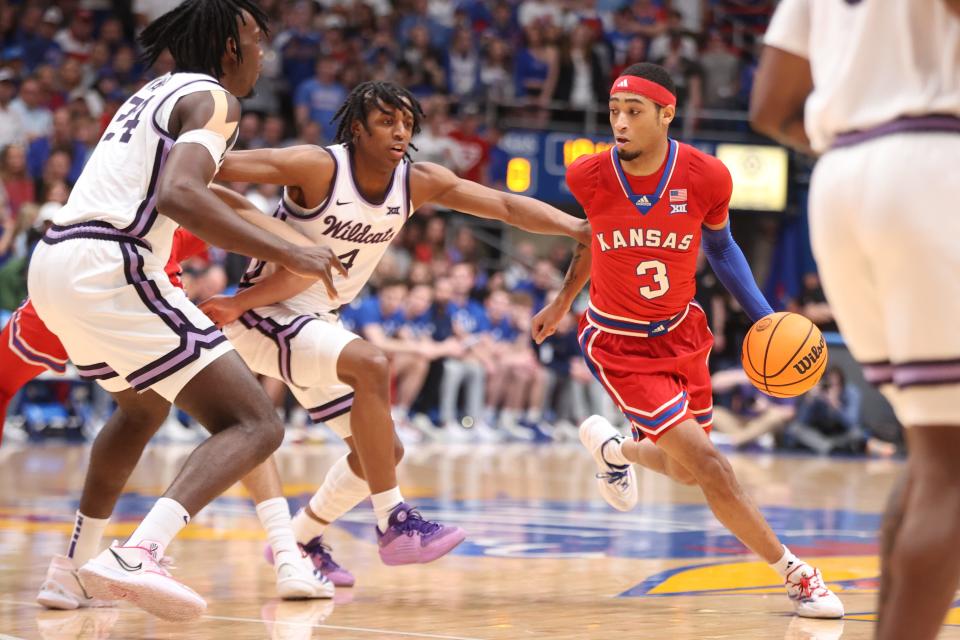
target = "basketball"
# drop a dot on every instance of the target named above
(784, 355)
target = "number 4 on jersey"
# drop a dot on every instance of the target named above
(347, 259)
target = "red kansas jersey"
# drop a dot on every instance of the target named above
(646, 230)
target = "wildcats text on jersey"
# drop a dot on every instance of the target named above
(640, 237)
(350, 231)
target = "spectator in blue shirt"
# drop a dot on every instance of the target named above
(298, 45)
(61, 138)
(544, 278)
(469, 322)
(319, 98)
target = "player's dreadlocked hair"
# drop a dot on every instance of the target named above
(196, 33)
(368, 96)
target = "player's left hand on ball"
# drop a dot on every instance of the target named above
(544, 324)
(222, 310)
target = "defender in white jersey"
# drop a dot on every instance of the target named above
(874, 86)
(355, 196)
(97, 281)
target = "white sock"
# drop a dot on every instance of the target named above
(274, 515)
(383, 505)
(612, 453)
(786, 563)
(534, 415)
(85, 541)
(340, 492)
(160, 526)
(508, 417)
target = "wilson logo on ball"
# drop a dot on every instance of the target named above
(804, 364)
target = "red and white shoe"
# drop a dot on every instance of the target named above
(134, 574)
(810, 596)
(63, 589)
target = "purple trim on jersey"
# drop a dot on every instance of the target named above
(312, 214)
(407, 193)
(281, 335)
(356, 187)
(905, 124)
(29, 353)
(99, 371)
(147, 212)
(91, 230)
(192, 339)
(153, 118)
(333, 409)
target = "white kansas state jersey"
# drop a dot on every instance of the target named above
(872, 61)
(119, 182)
(358, 231)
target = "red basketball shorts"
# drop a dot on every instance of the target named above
(657, 381)
(32, 342)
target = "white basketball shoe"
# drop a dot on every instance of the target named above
(63, 589)
(297, 579)
(810, 596)
(134, 574)
(618, 484)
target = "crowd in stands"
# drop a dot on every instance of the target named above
(453, 312)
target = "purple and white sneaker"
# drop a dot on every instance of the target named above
(409, 539)
(319, 554)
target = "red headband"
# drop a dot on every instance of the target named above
(645, 88)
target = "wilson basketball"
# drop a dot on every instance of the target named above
(784, 355)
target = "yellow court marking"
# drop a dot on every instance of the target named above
(756, 577)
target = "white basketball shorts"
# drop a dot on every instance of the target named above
(108, 299)
(885, 229)
(302, 350)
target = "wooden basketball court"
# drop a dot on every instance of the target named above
(545, 557)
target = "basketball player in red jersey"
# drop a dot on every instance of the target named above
(650, 201)
(28, 347)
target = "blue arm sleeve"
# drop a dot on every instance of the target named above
(732, 270)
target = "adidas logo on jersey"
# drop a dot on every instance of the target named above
(643, 201)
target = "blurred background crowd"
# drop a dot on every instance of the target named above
(452, 301)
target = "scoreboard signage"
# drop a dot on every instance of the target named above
(538, 163)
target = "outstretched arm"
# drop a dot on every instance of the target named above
(278, 286)
(732, 270)
(246, 210)
(432, 183)
(545, 323)
(286, 285)
(202, 123)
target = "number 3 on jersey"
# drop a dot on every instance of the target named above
(659, 272)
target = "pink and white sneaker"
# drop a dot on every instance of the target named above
(63, 589)
(810, 596)
(134, 574)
